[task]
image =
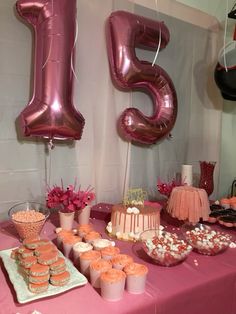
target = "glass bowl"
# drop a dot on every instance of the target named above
(205, 240)
(165, 248)
(28, 218)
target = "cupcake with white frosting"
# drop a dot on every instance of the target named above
(100, 244)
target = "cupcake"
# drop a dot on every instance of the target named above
(83, 229)
(112, 284)
(86, 258)
(225, 202)
(121, 260)
(109, 252)
(62, 235)
(98, 267)
(67, 244)
(100, 244)
(79, 248)
(91, 236)
(136, 275)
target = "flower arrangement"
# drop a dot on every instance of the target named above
(165, 188)
(68, 199)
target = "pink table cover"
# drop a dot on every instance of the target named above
(201, 284)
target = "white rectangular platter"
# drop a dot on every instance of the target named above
(22, 292)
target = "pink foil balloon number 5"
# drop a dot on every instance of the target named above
(51, 113)
(124, 32)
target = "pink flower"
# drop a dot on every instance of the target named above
(69, 200)
(165, 188)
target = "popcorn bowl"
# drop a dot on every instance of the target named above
(205, 240)
(164, 248)
(28, 218)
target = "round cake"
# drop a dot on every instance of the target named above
(189, 203)
(127, 222)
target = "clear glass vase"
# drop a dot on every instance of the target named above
(206, 181)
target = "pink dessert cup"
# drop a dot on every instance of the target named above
(78, 249)
(112, 285)
(68, 243)
(91, 236)
(96, 269)
(121, 260)
(63, 234)
(136, 278)
(83, 229)
(85, 260)
(109, 252)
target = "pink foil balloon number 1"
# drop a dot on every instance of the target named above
(124, 32)
(51, 113)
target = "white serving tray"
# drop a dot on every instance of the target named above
(22, 292)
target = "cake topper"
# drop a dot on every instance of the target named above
(135, 197)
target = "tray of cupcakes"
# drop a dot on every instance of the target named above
(224, 212)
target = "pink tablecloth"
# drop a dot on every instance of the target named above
(201, 284)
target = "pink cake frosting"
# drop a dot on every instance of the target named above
(127, 222)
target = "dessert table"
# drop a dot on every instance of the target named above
(201, 284)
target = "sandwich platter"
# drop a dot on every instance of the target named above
(22, 292)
